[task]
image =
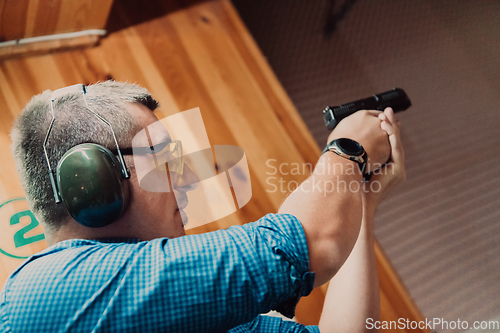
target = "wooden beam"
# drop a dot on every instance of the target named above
(22, 48)
(29, 18)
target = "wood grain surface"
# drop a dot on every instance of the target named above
(30, 18)
(197, 56)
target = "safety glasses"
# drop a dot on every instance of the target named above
(169, 152)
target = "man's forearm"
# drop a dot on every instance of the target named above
(353, 293)
(329, 206)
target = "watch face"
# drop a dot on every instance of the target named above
(350, 147)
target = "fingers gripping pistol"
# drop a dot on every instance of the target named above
(395, 98)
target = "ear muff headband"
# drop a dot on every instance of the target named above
(94, 170)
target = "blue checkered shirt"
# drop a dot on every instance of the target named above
(215, 282)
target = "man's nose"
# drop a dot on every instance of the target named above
(188, 181)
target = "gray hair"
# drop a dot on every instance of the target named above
(73, 125)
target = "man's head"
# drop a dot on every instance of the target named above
(127, 107)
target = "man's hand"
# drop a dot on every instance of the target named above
(390, 175)
(365, 128)
(353, 293)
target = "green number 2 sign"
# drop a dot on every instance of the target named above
(19, 237)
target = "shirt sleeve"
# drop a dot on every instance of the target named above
(228, 277)
(268, 324)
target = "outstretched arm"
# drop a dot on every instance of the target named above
(329, 202)
(353, 293)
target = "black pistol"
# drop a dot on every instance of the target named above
(395, 98)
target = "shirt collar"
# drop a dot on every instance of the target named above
(68, 243)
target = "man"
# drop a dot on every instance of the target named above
(140, 273)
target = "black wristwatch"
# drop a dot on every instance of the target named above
(350, 150)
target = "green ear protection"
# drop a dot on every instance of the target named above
(90, 179)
